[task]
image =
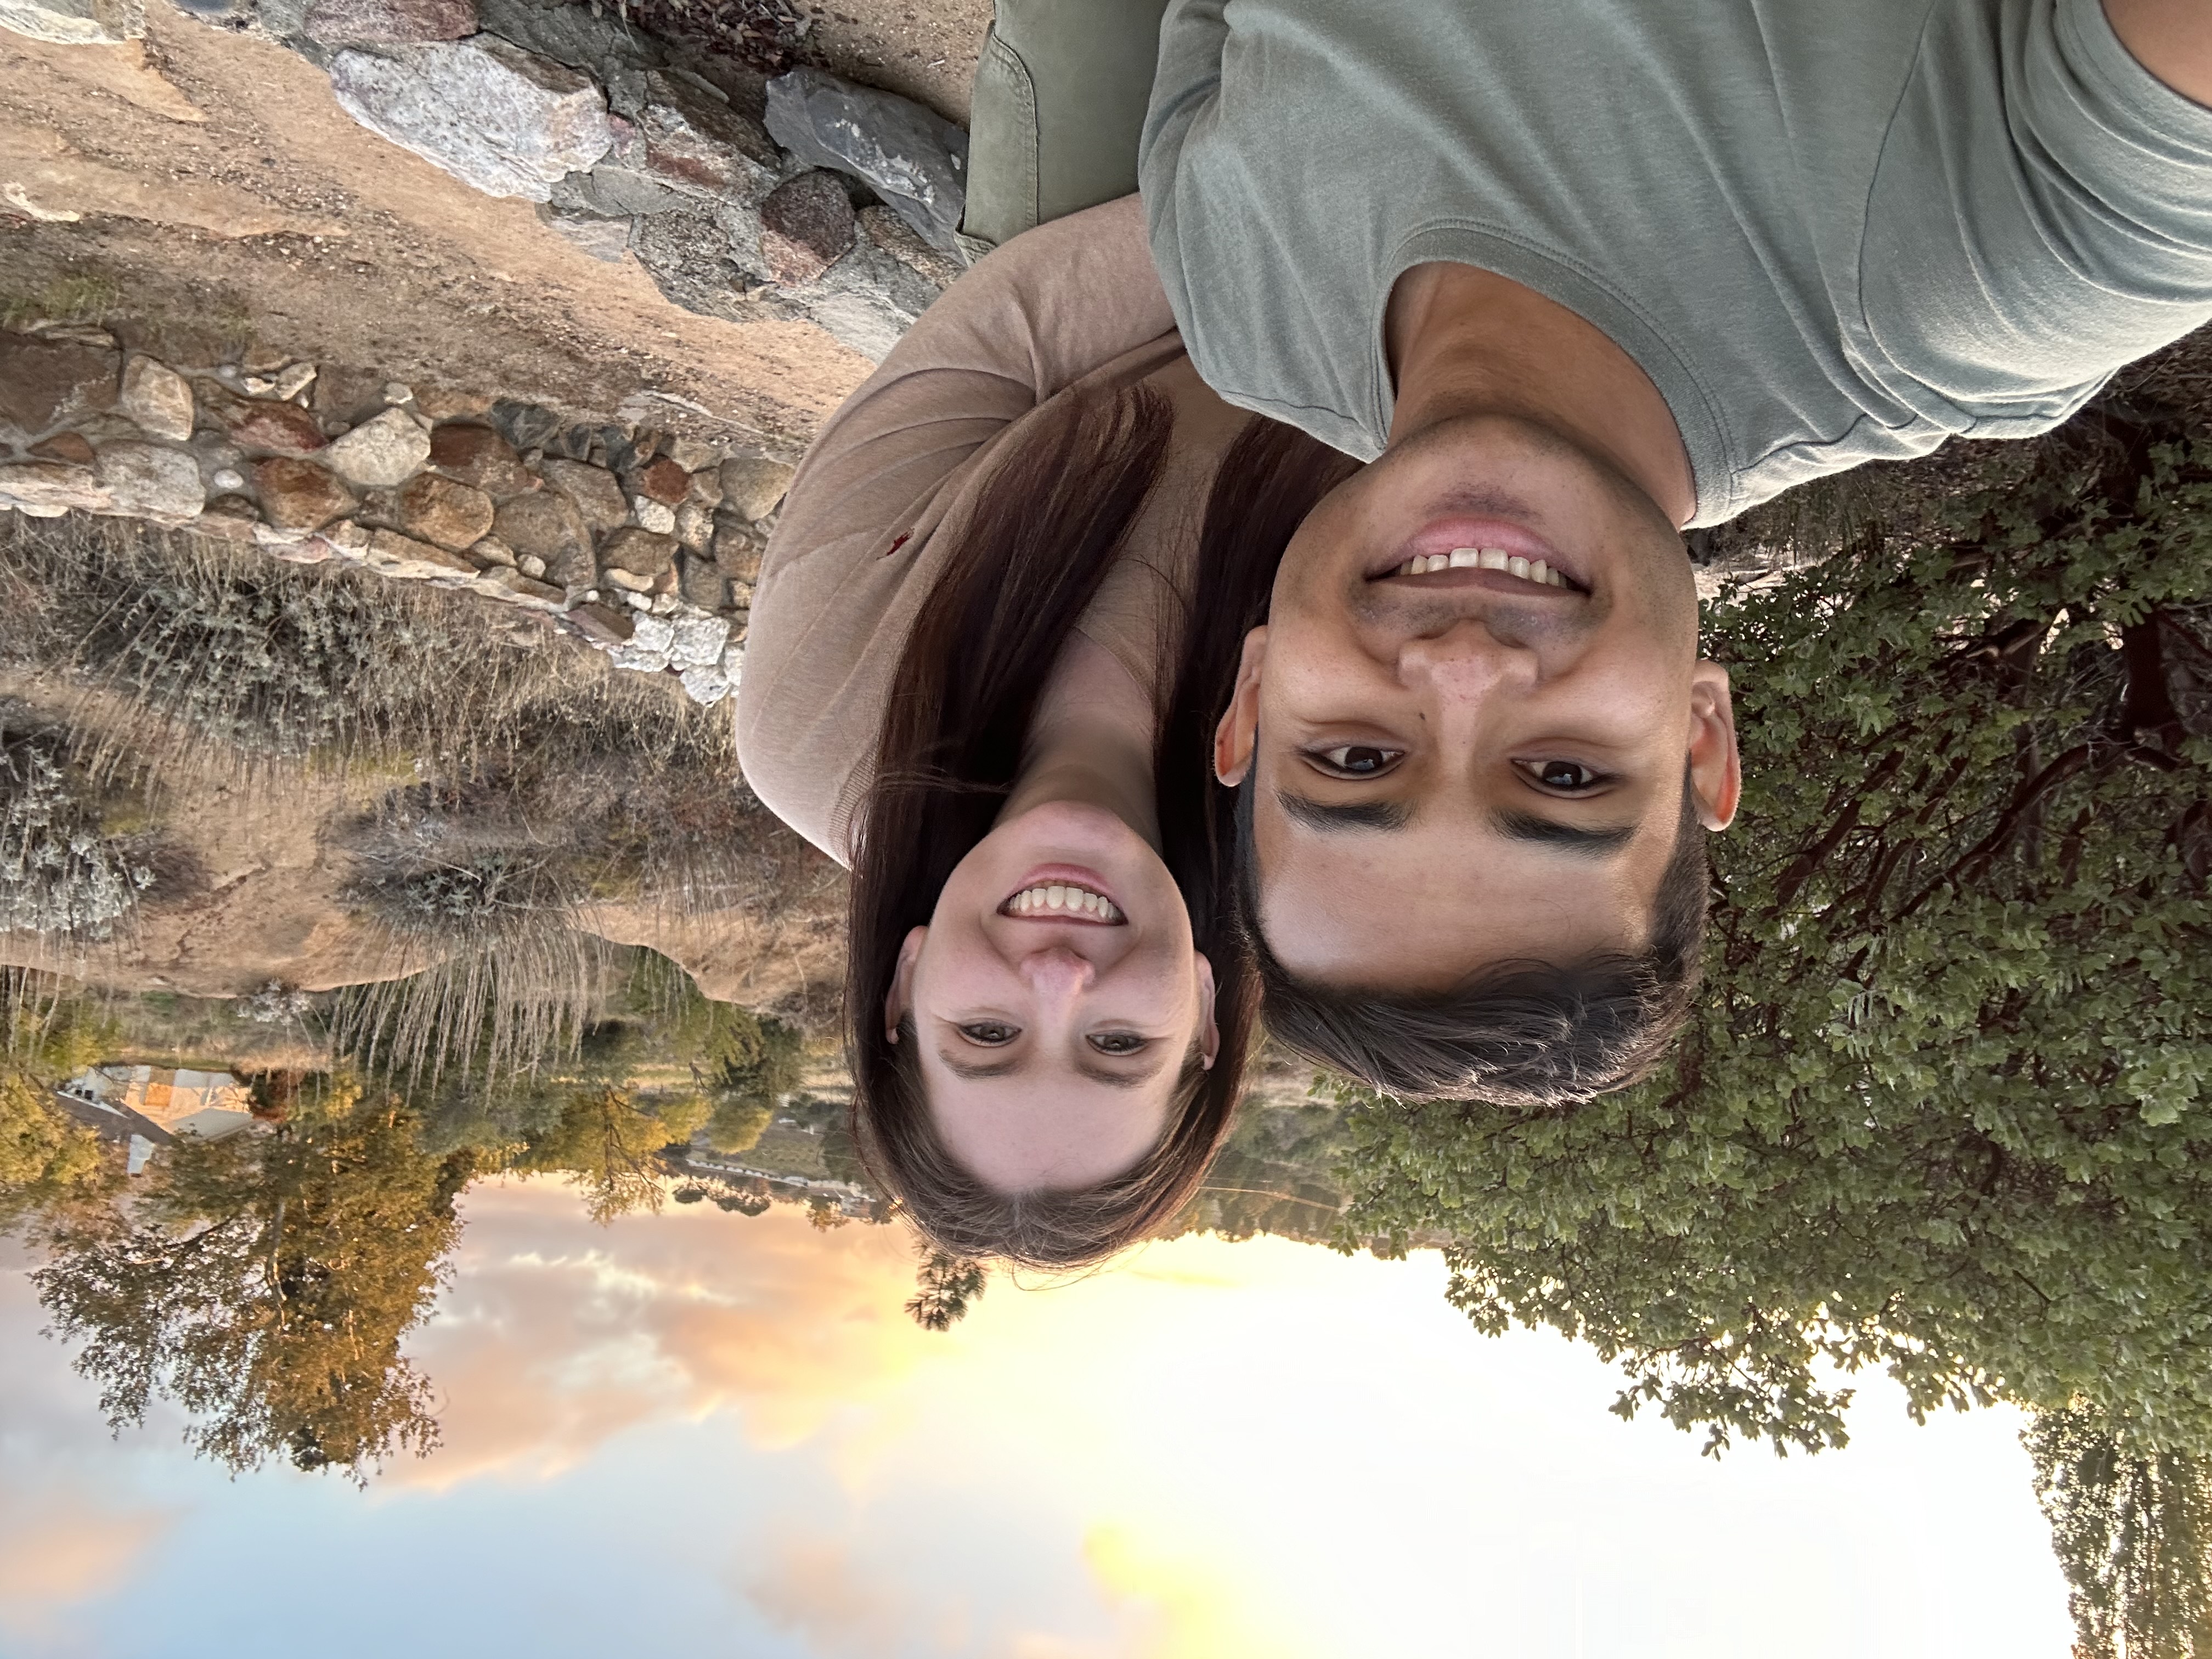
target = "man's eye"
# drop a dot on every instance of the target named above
(989, 1033)
(1568, 777)
(1120, 1042)
(1356, 760)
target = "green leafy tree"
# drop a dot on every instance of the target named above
(264, 1283)
(47, 1162)
(1943, 1106)
(611, 1149)
(2133, 1530)
(945, 1288)
(762, 1059)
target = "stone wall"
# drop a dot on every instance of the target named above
(643, 545)
(807, 197)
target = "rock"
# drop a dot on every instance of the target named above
(282, 429)
(226, 479)
(504, 120)
(701, 584)
(694, 142)
(635, 549)
(658, 517)
(46, 489)
(752, 486)
(480, 458)
(868, 300)
(73, 447)
(297, 494)
(391, 554)
(628, 580)
(490, 550)
(295, 380)
(606, 240)
(313, 551)
(76, 22)
(445, 403)
(706, 684)
(344, 395)
(694, 526)
(913, 158)
(45, 383)
(603, 625)
(228, 518)
(385, 451)
(147, 481)
(398, 393)
(648, 645)
(600, 43)
(893, 235)
(256, 385)
(388, 22)
(698, 643)
(545, 525)
(349, 540)
(515, 588)
(700, 460)
(806, 227)
(215, 450)
(157, 399)
(662, 480)
(526, 426)
(738, 547)
(613, 189)
(528, 563)
(596, 491)
(440, 510)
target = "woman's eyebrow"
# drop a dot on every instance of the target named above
(977, 1073)
(1332, 819)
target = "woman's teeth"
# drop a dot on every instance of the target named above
(1060, 899)
(1483, 558)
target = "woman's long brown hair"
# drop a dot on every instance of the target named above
(1047, 527)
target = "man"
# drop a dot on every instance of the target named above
(1572, 277)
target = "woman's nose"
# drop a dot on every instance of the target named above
(1057, 975)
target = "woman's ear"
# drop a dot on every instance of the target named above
(1233, 737)
(1209, 1028)
(898, 1001)
(1715, 767)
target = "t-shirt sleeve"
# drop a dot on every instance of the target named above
(2041, 213)
(1026, 322)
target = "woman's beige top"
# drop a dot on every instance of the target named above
(871, 516)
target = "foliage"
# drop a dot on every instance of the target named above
(945, 1288)
(46, 1162)
(1274, 1175)
(59, 873)
(1942, 1109)
(761, 1064)
(265, 1283)
(2132, 1529)
(610, 1149)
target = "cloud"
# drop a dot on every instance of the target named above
(1177, 1606)
(57, 1551)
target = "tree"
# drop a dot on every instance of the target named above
(762, 1061)
(265, 1283)
(1942, 1109)
(46, 1162)
(943, 1288)
(2133, 1530)
(611, 1148)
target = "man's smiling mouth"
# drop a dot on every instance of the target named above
(1484, 558)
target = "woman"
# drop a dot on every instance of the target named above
(955, 683)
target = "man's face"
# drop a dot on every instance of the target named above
(1462, 766)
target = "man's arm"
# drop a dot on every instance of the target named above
(2172, 39)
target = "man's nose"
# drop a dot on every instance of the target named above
(1464, 663)
(1057, 975)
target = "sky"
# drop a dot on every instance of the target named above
(720, 1435)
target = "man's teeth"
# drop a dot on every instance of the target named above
(1059, 898)
(1483, 558)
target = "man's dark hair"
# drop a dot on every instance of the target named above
(1520, 1033)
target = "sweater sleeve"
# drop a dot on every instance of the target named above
(830, 610)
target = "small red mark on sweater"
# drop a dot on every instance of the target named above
(897, 544)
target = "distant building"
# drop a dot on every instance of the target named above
(208, 1104)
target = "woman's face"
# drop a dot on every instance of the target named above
(1055, 996)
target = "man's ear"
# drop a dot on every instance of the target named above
(898, 1001)
(1209, 1028)
(1716, 768)
(1233, 737)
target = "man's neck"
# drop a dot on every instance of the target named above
(1467, 341)
(1090, 740)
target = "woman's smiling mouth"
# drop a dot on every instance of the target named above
(1062, 901)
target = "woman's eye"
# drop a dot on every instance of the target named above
(1568, 777)
(1120, 1042)
(1356, 760)
(989, 1033)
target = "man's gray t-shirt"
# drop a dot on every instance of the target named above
(1829, 233)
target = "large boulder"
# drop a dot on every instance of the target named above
(500, 118)
(388, 22)
(149, 481)
(912, 157)
(380, 453)
(76, 22)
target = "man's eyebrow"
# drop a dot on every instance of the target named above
(1332, 820)
(977, 1073)
(1568, 837)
